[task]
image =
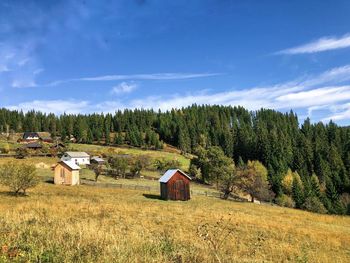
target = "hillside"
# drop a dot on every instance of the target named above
(317, 153)
(86, 224)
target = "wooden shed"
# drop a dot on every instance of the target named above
(175, 185)
(67, 173)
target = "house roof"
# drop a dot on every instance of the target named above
(33, 145)
(77, 154)
(30, 134)
(166, 177)
(71, 165)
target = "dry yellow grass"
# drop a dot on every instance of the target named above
(84, 224)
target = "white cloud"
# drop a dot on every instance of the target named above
(320, 45)
(152, 76)
(53, 106)
(124, 87)
(309, 94)
(339, 112)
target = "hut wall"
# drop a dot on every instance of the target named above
(178, 188)
(75, 178)
(63, 175)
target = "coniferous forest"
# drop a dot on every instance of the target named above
(312, 158)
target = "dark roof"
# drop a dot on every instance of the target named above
(33, 145)
(57, 145)
(97, 159)
(30, 134)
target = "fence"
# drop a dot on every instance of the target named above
(120, 186)
(156, 189)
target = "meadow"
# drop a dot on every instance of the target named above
(92, 224)
(88, 224)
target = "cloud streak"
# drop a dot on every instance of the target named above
(312, 93)
(152, 76)
(320, 45)
(54, 106)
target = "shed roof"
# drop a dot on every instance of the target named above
(170, 173)
(97, 159)
(71, 165)
(77, 154)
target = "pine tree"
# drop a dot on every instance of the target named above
(297, 193)
(315, 186)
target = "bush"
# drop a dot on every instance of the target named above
(18, 177)
(313, 204)
(163, 165)
(6, 148)
(21, 153)
(285, 200)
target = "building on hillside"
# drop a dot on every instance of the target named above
(35, 136)
(66, 173)
(30, 136)
(175, 185)
(79, 158)
(97, 160)
(33, 146)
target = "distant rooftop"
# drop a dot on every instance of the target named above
(77, 154)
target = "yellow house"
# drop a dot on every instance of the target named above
(66, 173)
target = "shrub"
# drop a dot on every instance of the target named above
(21, 153)
(195, 172)
(313, 204)
(18, 177)
(163, 165)
(6, 148)
(285, 200)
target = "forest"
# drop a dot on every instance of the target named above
(306, 162)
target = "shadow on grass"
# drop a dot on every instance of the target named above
(49, 181)
(155, 197)
(8, 193)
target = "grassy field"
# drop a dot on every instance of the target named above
(87, 224)
(91, 224)
(97, 149)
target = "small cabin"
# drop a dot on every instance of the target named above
(175, 185)
(66, 173)
(79, 158)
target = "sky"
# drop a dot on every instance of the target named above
(85, 56)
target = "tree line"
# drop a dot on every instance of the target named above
(300, 152)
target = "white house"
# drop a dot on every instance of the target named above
(79, 158)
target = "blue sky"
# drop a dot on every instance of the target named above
(99, 56)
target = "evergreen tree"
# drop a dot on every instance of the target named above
(297, 193)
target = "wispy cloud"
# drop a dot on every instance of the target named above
(152, 76)
(18, 64)
(312, 93)
(338, 113)
(124, 87)
(320, 45)
(53, 106)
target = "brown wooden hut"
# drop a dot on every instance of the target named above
(175, 185)
(66, 173)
